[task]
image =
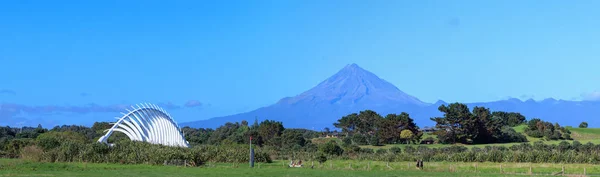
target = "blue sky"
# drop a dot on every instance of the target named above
(236, 56)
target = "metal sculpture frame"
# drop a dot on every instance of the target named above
(148, 123)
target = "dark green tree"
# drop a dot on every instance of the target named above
(270, 131)
(331, 148)
(347, 123)
(583, 125)
(456, 125)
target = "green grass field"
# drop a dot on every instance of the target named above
(15, 167)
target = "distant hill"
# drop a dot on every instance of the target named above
(354, 89)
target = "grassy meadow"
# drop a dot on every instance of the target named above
(16, 167)
(331, 168)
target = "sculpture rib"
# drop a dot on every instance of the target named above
(148, 123)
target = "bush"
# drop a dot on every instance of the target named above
(567, 137)
(381, 151)
(395, 150)
(331, 148)
(14, 146)
(321, 158)
(538, 128)
(53, 139)
(347, 141)
(583, 125)
(359, 139)
(367, 151)
(563, 146)
(352, 149)
(32, 153)
(374, 141)
(508, 134)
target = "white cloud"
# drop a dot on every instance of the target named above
(593, 96)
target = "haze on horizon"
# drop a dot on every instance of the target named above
(202, 60)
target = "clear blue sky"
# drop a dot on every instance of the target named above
(235, 56)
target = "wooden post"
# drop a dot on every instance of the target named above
(584, 171)
(501, 171)
(563, 170)
(530, 169)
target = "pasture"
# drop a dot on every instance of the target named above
(16, 167)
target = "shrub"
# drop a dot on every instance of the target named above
(409, 150)
(406, 135)
(395, 150)
(375, 141)
(508, 134)
(538, 128)
(347, 141)
(331, 148)
(359, 139)
(352, 149)
(583, 125)
(321, 158)
(367, 150)
(53, 139)
(32, 153)
(14, 146)
(563, 146)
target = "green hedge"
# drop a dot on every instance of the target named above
(130, 152)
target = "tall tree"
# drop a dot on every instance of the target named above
(347, 123)
(367, 122)
(270, 131)
(392, 125)
(454, 126)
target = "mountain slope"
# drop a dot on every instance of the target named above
(354, 85)
(352, 89)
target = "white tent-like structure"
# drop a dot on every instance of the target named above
(148, 123)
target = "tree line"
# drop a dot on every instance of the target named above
(228, 143)
(458, 124)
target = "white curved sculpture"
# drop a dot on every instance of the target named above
(148, 123)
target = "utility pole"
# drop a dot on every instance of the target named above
(251, 154)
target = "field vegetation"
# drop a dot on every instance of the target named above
(461, 137)
(14, 167)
